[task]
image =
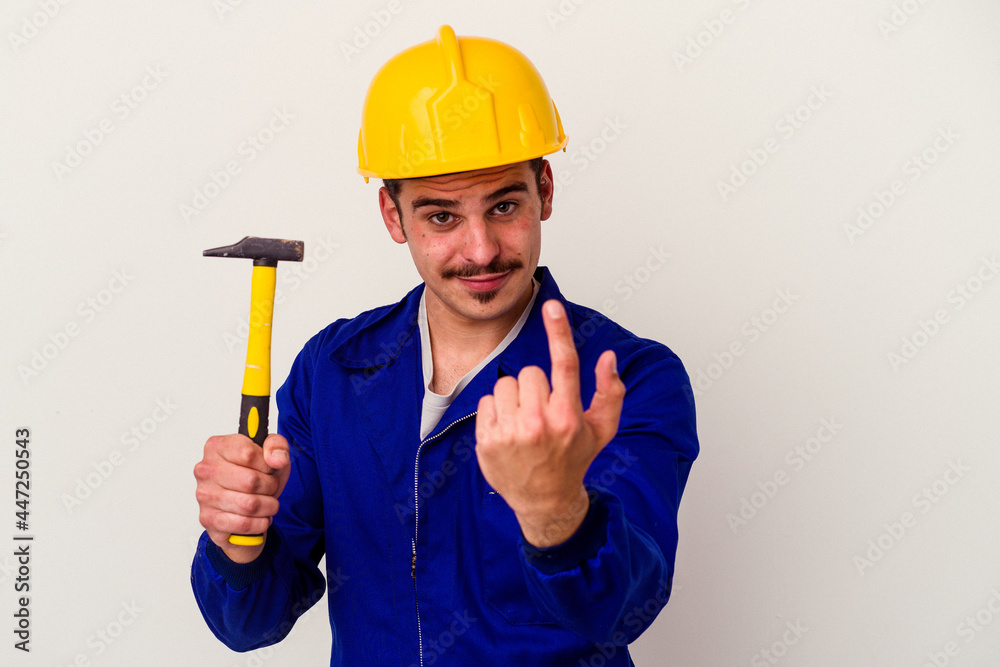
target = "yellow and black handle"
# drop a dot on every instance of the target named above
(256, 394)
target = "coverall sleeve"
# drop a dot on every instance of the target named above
(251, 605)
(611, 578)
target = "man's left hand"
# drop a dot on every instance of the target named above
(535, 444)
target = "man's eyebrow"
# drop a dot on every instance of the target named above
(430, 201)
(519, 186)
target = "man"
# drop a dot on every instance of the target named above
(470, 512)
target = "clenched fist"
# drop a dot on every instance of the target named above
(238, 488)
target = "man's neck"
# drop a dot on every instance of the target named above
(458, 344)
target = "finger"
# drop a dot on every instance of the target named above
(237, 554)
(225, 523)
(562, 352)
(238, 450)
(242, 504)
(532, 389)
(505, 398)
(277, 456)
(276, 452)
(486, 415)
(237, 478)
(605, 409)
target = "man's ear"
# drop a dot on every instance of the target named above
(547, 190)
(391, 216)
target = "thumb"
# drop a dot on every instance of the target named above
(605, 408)
(277, 458)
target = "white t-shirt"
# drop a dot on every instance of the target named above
(434, 405)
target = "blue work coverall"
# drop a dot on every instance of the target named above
(425, 562)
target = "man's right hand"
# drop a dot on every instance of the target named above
(238, 488)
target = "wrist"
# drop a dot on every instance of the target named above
(239, 576)
(555, 523)
(243, 554)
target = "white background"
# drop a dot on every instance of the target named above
(825, 549)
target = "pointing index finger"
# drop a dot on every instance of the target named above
(562, 352)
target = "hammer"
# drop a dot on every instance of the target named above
(265, 253)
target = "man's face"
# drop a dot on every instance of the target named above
(475, 236)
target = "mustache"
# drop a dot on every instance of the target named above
(472, 270)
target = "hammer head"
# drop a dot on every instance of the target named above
(263, 252)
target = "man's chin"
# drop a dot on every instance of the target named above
(486, 297)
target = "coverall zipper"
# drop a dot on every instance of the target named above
(416, 524)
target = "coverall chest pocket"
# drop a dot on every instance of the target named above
(503, 578)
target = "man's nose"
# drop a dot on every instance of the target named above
(481, 244)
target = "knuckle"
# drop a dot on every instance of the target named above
(254, 482)
(264, 485)
(245, 525)
(205, 518)
(244, 456)
(203, 495)
(248, 505)
(533, 426)
(565, 426)
(202, 471)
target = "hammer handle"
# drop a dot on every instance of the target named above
(253, 417)
(256, 395)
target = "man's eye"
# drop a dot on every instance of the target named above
(504, 207)
(441, 218)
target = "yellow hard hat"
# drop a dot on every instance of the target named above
(450, 104)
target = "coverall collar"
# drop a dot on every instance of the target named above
(387, 351)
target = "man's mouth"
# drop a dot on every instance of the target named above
(484, 278)
(486, 282)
